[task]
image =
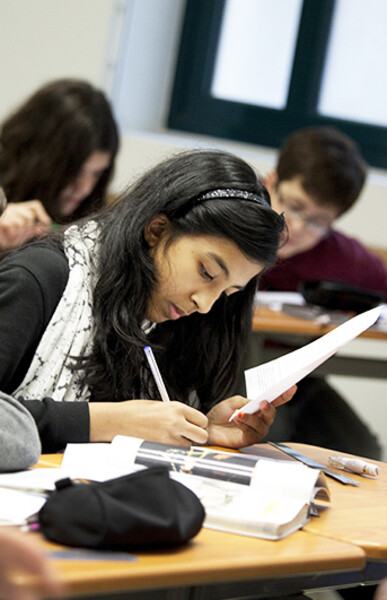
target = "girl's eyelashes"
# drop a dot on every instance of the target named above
(205, 273)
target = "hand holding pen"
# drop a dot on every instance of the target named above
(193, 421)
(216, 424)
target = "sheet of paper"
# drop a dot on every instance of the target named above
(382, 322)
(16, 506)
(85, 461)
(276, 300)
(268, 381)
(93, 461)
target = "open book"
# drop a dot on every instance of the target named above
(270, 380)
(249, 495)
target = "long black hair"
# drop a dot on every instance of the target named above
(200, 352)
(45, 142)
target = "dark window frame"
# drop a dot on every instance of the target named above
(193, 109)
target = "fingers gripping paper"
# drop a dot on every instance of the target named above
(268, 381)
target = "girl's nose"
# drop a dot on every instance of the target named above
(84, 184)
(204, 300)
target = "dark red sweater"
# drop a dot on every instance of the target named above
(335, 258)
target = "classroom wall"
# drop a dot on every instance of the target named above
(43, 40)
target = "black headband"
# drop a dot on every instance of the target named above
(232, 193)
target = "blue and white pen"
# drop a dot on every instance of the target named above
(156, 374)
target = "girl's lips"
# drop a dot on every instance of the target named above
(175, 313)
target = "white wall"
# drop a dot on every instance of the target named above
(45, 39)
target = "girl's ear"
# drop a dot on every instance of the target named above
(156, 229)
(271, 181)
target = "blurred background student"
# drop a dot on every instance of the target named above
(57, 154)
(319, 176)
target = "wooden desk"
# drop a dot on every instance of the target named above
(218, 565)
(272, 321)
(268, 323)
(358, 517)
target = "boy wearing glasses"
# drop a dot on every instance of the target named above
(319, 176)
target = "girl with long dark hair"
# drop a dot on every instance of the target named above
(173, 264)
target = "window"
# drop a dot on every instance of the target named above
(242, 71)
(256, 70)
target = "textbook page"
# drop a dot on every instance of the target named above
(275, 504)
(270, 380)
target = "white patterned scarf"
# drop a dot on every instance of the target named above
(69, 332)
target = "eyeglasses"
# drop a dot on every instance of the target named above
(313, 225)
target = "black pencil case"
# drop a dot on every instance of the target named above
(337, 295)
(140, 510)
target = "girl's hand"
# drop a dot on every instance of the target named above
(167, 422)
(245, 429)
(22, 221)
